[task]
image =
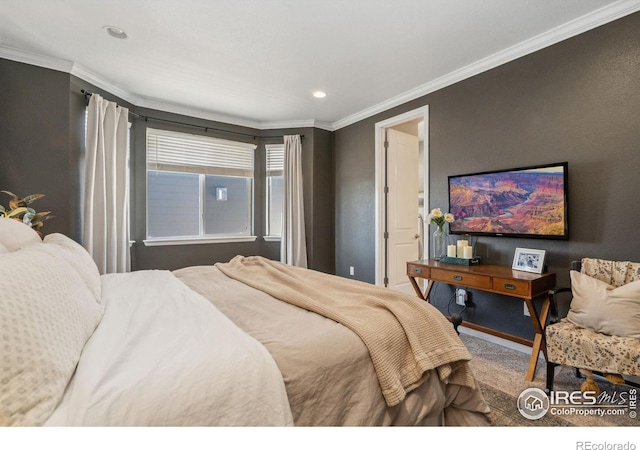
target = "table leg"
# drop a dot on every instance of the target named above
(427, 291)
(539, 340)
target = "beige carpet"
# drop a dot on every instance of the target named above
(501, 372)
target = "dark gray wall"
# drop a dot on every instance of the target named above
(354, 154)
(576, 101)
(35, 140)
(322, 239)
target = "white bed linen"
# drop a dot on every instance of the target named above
(164, 356)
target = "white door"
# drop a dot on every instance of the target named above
(402, 207)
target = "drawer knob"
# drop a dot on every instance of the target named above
(417, 270)
(510, 286)
(457, 277)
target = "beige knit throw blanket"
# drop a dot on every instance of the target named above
(405, 336)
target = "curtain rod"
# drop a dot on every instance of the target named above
(87, 94)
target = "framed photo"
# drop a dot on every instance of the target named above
(528, 260)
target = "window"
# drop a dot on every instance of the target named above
(275, 193)
(199, 188)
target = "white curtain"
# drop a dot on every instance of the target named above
(293, 247)
(106, 212)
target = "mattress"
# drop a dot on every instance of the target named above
(163, 356)
(329, 377)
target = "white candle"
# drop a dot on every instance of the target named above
(451, 251)
(468, 252)
(461, 245)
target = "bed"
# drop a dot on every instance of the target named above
(199, 347)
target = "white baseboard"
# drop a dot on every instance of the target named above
(495, 339)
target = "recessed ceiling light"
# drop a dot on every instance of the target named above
(319, 94)
(115, 32)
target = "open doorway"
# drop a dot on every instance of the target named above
(402, 168)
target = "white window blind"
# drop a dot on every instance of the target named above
(275, 193)
(181, 152)
(199, 188)
(275, 160)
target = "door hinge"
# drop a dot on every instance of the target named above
(386, 281)
(386, 145)
(386, 235)
(386, 189)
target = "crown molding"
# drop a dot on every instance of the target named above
(34, 59)
(310, 123)
(88, 76)
(144, 102)
(189, 111)
(323, 125)
(565, 31)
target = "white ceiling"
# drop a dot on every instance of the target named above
(257, 62)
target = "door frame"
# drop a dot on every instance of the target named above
(380, 211)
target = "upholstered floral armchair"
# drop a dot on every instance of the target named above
(601, 330)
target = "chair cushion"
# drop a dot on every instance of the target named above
(615, 273)
(571, 345)
(605, 308)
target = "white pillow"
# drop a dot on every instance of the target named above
(79, 258)
(15, 235)
(47, 314)
(3, 249)
(605, 308)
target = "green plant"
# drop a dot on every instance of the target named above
(20, 210)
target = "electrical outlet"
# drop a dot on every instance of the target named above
(526, 310)
(461, 296)
(352, 271)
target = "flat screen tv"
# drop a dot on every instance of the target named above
(529, 202)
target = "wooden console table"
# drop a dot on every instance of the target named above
(499, 280)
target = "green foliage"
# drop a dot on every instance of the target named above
(19, 209)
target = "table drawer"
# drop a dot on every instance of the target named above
(465, 279)
(511, 287)
(414, 270)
